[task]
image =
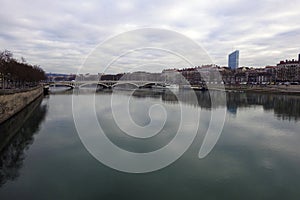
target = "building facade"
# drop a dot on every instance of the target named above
(288, 70)
(233, 60)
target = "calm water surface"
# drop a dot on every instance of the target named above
(256, 157)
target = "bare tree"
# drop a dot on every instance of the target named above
(18, 74)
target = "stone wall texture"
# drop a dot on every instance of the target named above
(12, 103)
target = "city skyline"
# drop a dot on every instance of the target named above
(59, 35)
(279, 63)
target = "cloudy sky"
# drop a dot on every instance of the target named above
(59, 35)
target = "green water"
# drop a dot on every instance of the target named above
(256, 157)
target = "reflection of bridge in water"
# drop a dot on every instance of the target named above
(284, 107)
(107, 84)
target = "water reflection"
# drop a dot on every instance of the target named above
(256, 157)
(60, 90)
(16, 136)
(285, 107)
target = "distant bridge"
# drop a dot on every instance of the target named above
(107, 84)
(61, 84)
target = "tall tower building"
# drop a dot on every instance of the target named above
(233, 60)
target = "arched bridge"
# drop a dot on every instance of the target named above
(62, 84)
(108, 84)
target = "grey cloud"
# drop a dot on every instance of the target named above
(58, 35)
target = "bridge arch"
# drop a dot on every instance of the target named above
(61, 85)
(125, 83)
(108, 84)
(152, 83)
(95, 83)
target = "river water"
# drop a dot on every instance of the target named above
(257, 155)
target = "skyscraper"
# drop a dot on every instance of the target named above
(233, 60)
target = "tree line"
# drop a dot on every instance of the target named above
(18, 74)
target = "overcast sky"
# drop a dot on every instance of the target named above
(60, 34)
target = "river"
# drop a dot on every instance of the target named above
(257, 155)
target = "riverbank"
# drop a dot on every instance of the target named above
(274, 89)
(13, 101)
(10, 127)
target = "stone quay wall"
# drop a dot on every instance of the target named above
(11, 102)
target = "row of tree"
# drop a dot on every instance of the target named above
(18, 74)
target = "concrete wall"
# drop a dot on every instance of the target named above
(12, 103)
